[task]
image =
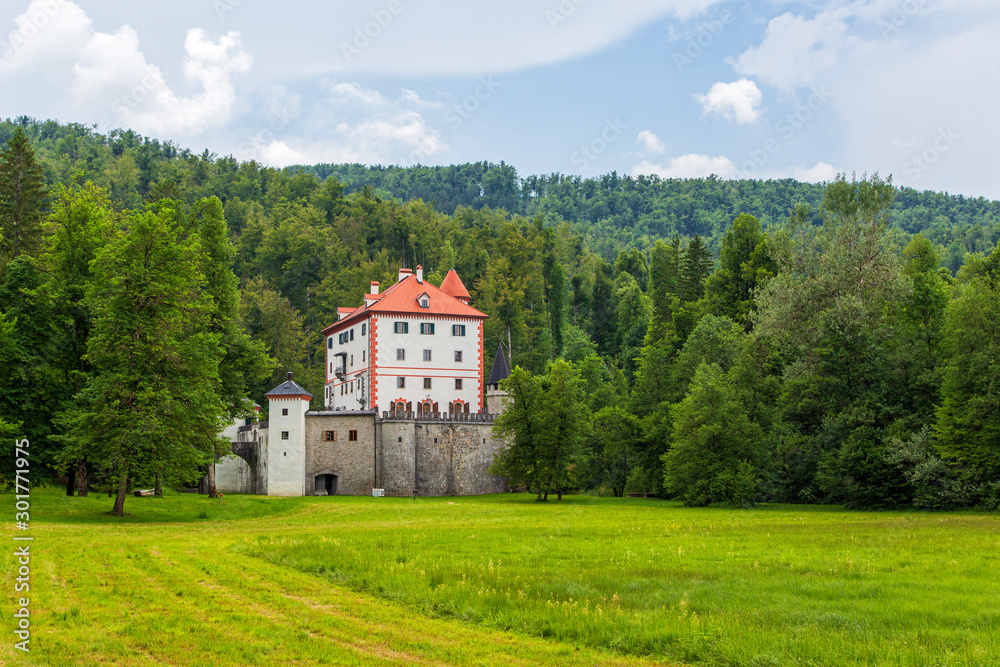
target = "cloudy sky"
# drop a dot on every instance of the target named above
(737, 88)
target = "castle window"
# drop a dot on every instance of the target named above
(458, 383)
(284, 412)
(401, 383)
(352, 360)
(329, 343)
(458, 356)
(427, 383)
(330, 436)
(427, 328)
(402, 327)
(284, 435)
(458, 330)
(352, 436)
(400, 354)
(427, 355)
(352, 334)
(362, 356)
(364, 327)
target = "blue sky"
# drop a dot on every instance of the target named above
(673, 87)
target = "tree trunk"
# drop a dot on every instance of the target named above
(71, 482)
(158, 488)
(119, 509)
(82, 487)
(212, 491)
(558, 493)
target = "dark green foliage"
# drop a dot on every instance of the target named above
(744, 265)
(544, 421)
(716, 451)
(22, 197)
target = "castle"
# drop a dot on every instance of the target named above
(391, 365)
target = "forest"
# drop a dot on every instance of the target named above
(718, 342)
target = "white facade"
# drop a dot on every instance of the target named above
(286, 462)
(410, 354)
(347, 368)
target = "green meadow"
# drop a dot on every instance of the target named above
(185, 580)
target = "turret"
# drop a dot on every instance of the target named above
(286, 450)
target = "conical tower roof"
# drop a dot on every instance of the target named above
(453, 286)
(500, 370)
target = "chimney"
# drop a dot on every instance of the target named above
(403, 273)
(374, 288)
(420, 274)
(289, 376)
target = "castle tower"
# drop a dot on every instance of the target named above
(499, 372)
(286, 450)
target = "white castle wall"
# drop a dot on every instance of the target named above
(286, 458)
(442, 370)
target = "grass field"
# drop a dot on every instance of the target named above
(501, 580)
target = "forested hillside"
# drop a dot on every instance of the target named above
(725, 341)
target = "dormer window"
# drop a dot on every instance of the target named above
(424, 300)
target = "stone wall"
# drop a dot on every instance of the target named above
(353, 462)
(437, 458)
(396, 457)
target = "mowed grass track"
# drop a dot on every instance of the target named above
(165, 587)
(502, 579)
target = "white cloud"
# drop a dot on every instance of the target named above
(818, 173)
(110, 78)
(650, 143)
(47, 31)
(737, 101)
(354, 124)
(692, 165)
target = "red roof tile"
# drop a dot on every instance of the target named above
(454, 286)
(402, 297)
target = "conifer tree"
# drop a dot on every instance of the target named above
(22, 196)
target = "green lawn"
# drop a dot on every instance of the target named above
(502, 580)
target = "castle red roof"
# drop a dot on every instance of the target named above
(454, 286)
(402, 298)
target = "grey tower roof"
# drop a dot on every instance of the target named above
(500, 370)
(289, 388)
